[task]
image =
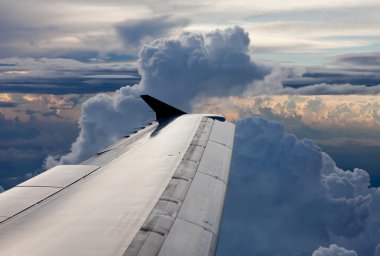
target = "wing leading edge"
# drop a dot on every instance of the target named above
(159, 191)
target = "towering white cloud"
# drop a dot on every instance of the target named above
(104, 119)
(174, 70)
(195, 65)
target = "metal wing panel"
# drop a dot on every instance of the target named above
(40, 187)
(18, 199)
(216, 159)
(59, 176)
(203, 205)
(186, 218)
(160, 221)
(100, 214)
(185, 238)
(159, 192)
(223, 133)
(195, 229)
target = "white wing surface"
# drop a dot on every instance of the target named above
(159, 191)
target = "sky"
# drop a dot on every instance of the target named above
(299, 78)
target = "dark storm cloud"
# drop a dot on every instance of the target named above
(135, 32)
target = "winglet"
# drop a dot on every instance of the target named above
(161, 109)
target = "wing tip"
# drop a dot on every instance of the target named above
(162, 109)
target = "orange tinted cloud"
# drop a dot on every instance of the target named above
(322, 110)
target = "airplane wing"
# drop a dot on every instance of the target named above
(158, 191)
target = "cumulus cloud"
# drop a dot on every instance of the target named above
(199, 65)
(287, 197)
(104, 119)
(174, 70)
(333, 250)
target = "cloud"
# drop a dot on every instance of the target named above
(104, 119)
(199, 65)
(332, 89)
(45, 107)
(174, 70)
(6, 104)
(64, 76)
(354, 111)
(288, 197)
(6, 101)
(136, 32)
(333, 250)
(273, 83)
(367, 59)
(25, 144)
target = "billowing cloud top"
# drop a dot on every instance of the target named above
(174, 70)
(212, 64)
